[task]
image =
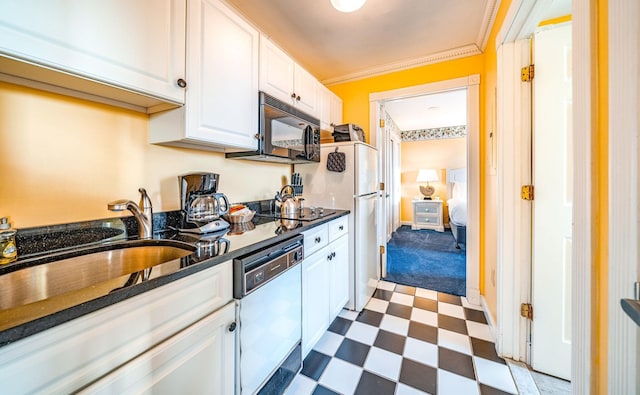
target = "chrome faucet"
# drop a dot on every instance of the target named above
(143, 212)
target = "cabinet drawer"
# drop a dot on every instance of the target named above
(315, 238)
(338, 228)
(427, 208)
(428, 219)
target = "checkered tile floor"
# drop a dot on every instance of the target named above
(406, 341)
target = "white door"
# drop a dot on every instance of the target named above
(552, 213)
(366, 252)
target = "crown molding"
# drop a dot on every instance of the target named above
(488, 19)
(456, 53)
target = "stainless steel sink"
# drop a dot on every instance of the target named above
(64, 273)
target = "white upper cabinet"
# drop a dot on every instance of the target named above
(331, 109)
(284, 79)
(122, 52)
(221, 107)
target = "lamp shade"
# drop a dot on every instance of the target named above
(347, 5)
(426, 175)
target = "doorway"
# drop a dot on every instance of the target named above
(379, 139)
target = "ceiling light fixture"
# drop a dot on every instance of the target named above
(347, 5)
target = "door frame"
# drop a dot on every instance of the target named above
(472, 84)
(514, 261)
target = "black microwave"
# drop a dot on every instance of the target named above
(286, 135)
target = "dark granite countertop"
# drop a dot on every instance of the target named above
(93, 236)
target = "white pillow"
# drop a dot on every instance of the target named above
(459, 191)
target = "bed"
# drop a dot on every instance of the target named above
(457, 204)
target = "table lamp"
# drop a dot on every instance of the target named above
(426, 175)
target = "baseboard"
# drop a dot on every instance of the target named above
(409, 223)
(492, 325)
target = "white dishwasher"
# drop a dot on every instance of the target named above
(268, 285)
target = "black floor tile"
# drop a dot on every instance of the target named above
(475, 315)
(320, 390)
(353, 351)
(484, 349)
(399, 310)
(405, 289)
(314, 364)
(423, 332)
(425, 304)
(419, 376)
(340, 326)
(486, 390)
(452, 323)
(390, 342)
(456, 362)
(373, 384)
(383, 294)
(370, 317)
(442, 297)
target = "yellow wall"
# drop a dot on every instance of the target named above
(429, 154)
(63, 159)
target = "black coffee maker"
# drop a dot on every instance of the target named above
(201, 206)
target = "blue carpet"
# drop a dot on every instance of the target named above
(427, 259)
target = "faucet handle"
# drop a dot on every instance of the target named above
(145, 201)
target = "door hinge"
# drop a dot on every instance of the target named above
(382, 123)
(382, 249)
(527, 192)
(526, 310)
(382, 186)
(527, 73)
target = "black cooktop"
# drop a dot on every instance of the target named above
(306, 214)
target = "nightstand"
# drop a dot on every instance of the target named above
(427, 214)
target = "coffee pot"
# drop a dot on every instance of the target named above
(201, 205)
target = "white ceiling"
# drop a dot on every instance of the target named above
(381, 36)
(430, 111)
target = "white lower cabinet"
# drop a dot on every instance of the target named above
(70, 356)
(325, 282)
(198, 360)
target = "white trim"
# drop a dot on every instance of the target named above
(624, 98)
(487, 313)
(582, 295)
(472, 84)
(521, 20)
(514, 214)
(489, 18)
(444, 56)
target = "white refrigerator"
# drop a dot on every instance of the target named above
(355, 189)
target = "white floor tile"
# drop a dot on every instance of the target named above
(403, 389)
(495, 375)
(426, 293)
(453, 384)
(362, 332)
(329, 343)
(451, 310)
(401, 298)
(383, 363)
(341, 376)
(454, 341)
(479, 331)
(387, 286)
(301, 385)
(465, 303)
(424, 316)
(348, 314)
(378, 305)
(419, 351)
(395, 324)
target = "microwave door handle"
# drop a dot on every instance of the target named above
(308, 143)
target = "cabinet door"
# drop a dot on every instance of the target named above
(339, 289)
(276, 71)
(315, 299)
(306, 88)
(136, 45)
(198, 360)
(336, 110)
(325, 108)
(222, 95)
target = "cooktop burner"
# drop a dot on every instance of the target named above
(306, 214)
